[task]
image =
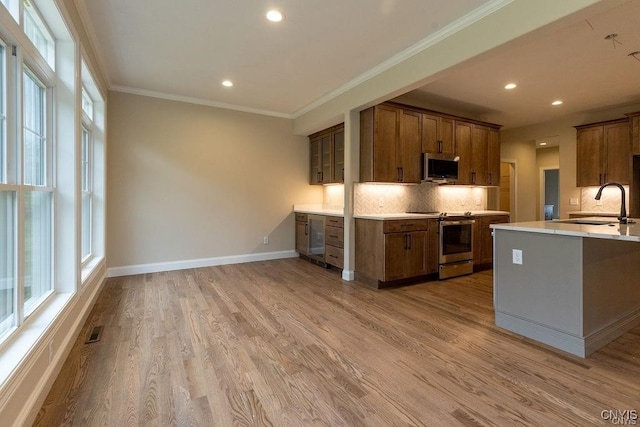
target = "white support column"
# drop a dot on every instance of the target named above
(351, 176)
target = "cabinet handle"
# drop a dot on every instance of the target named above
(473, 177)
(342, 174)
(333, 236)
(401, 174)
(333, 256)
(410, 241)
(306, 229)
(406, 242)
(439, 146)
(490, 178)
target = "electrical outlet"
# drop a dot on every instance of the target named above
(598, 202)
(517, 256)
(265, 240)
(380, 202)
(573, 201)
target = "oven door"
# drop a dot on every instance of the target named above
(456, 241)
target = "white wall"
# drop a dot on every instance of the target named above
(189, 182)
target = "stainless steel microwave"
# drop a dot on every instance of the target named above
(440, 168)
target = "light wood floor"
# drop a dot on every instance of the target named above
(286, 343)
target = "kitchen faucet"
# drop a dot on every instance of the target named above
(623, 209)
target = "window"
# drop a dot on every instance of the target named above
(38, 195)
(3, 115)
(86, 228)
(38, 33)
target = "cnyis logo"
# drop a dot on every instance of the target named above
(620, 417)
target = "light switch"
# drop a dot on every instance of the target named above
(517, 256)
(573, 201)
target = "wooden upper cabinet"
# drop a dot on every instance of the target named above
(393, 137)
(409, 147)
(478, 148)
(464, 133)
(603, 153)
(634, 119)
(493, 158)
(437, 134)
(327, 156)
(390, 145)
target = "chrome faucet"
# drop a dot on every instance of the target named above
(623, 208)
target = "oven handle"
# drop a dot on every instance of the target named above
(458, 222)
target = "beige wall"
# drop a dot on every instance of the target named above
(190, 182)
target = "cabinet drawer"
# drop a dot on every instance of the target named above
(501, 219)
(301, 217)
(335, 221)
(334, 256)
(334, 236)
(399, 226)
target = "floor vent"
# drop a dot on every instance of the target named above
(95, 335)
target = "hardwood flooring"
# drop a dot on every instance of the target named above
(286, 343)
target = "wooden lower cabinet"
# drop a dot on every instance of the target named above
(334, 241)
(483, 239)
(388, 251)
(302, 234)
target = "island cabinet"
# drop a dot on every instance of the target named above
(603, 153)
(437, 134)
(390, 145)
(478, 147)
(483, 239)
(391, 251)
(327, 156)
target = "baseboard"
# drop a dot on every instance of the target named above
(560, 340)
(579, 346)
(197, 263)
(612, 331)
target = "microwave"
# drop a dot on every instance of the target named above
(440, 168)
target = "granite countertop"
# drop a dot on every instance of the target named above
(613, 230)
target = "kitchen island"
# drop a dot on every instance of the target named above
(571, 284)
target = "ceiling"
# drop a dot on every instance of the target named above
(184, 50)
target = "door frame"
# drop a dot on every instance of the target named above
(541, 192)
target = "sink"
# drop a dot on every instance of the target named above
(588, 221)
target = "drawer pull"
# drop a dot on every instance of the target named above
(333, 256)
(333, 237)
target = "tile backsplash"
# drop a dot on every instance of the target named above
(610, 199)
(394, 198)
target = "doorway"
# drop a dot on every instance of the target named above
(550, 194)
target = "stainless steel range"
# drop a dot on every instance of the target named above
(456, 246)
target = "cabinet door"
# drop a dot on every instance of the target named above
(430, 136)
(327, 157)
(446, 135)
(405, 255)
(463, 150)
(385, 167)
(433, 244)
(479, 153)
(618, 153)
(437, 134)
(493, 160)
(315, 163)
(589, 157)
(338, 156)
(302, 238)
(409, 147)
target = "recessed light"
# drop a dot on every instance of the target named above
(558, 102)
(510, 86)
(275, 16)
(227, 83)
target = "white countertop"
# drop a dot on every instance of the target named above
(322, 210)
(318, 210)
(629, 232)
